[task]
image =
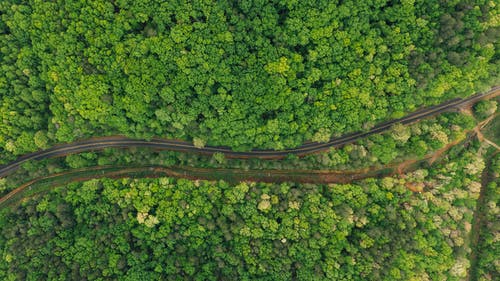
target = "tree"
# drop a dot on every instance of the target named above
(485, 108)
(400, 133)
(322, 135)
(198, 143)
(249, 75)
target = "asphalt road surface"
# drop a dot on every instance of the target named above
(307, 148)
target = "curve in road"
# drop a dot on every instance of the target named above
(183, 146)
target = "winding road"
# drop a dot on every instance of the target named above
(183, 146)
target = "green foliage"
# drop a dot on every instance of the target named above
(219, 157)
(198, 143)
(370, 152)
(400, 133)
(485, 108)
(267, 74)
(130, 229)
(410, 141)
(489, 244)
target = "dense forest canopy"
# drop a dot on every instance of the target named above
(488, 265)
(268, 74)
(178, 229)
(167, 229)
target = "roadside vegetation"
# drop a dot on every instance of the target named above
(486, 265)
(415, 226)
(261, 74)
(488, 249)
(393, 147)
(376, 229)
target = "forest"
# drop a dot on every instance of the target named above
(131, 229)
(250, 74)
(421, 140)
(488, 267)
(245, 74)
